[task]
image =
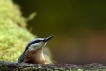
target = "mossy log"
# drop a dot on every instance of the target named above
(12, 66)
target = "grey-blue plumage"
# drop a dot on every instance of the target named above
(21, 58)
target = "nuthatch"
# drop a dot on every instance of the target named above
(33, 52)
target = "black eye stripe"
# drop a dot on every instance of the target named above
(37, 41)
(33, 42)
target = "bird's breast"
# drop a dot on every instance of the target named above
(34, 57)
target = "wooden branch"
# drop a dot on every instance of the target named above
(12, 66)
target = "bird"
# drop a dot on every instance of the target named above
(33, 52)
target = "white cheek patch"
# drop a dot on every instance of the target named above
(34, 46)
(37, 46)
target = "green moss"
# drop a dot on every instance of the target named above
(13, 33)
(13, 40)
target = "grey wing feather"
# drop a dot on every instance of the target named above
(21, 58)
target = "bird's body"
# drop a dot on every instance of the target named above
(34, 51)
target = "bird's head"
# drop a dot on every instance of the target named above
(37, 43)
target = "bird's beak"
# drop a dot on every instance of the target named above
(47, 39)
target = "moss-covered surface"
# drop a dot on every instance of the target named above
(13, 37)
(50, 67)
(13, 33)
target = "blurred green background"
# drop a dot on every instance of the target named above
(78, 26)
